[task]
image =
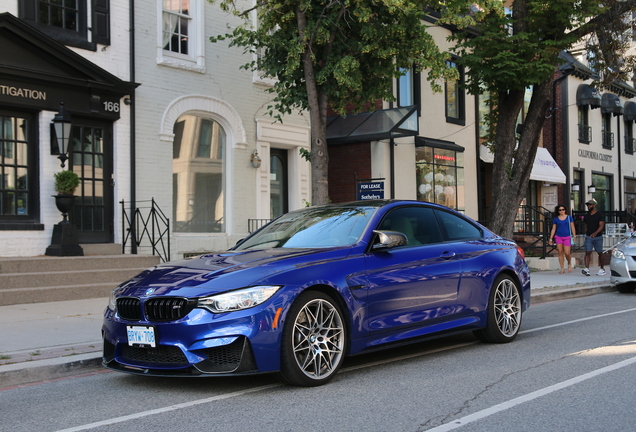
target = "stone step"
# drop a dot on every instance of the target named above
(46, 264)
(61, 278)
(101, 248)
(57, 293)
(48, 279)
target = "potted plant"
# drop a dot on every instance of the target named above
(65, 184)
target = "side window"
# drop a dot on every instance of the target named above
(458, 228)
(417, 223)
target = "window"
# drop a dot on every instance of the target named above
(629, 137)
(577, 196)
(67, 20)
(176, 25)
(418, 224)
(585, 131)
(608, 135)
(457, 229)
(198, 175)
(17, 168)
(408, 88)
(603, 194)
(181, 34)
(454, 96)
(440, 176)
(630, 195)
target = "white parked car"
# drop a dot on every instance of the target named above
(623, 265)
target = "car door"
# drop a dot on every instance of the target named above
(415, 284)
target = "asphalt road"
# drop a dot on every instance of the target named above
(572, 368)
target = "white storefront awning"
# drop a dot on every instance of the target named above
(545, 169)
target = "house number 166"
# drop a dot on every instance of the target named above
(111, 106)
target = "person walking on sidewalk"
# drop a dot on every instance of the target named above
(563, 231)
(594, 224)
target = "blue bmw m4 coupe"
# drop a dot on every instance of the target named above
(314, 286)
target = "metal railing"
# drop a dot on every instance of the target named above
(255, 224)
(148, 229)
(608, 140)
(585, 133)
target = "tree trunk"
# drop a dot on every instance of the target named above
(317, 101)
(511, 170)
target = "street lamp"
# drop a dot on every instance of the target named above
(62, 127)
(591, 189)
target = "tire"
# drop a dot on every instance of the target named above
(626, 288)
(504, 312)
(314, 340)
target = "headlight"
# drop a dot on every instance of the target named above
(618, 254)
(112, 301)
(237, 300)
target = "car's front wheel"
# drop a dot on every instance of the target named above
(504, 312)
(314, 340)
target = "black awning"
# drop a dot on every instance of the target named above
(630, 111)
(586, 95)
(431, 142)
(375, 126)
(611, 104)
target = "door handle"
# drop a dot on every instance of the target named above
(447, 255)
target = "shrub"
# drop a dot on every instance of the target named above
(66, 182)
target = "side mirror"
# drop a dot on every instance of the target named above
(388, 240)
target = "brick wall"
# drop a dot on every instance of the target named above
(347, 163)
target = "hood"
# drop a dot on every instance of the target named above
(214, 273)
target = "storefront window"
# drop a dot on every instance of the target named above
(14, 167)
(603, 194)
(198, 175)
(440, 176)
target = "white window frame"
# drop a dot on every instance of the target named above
(195, 60)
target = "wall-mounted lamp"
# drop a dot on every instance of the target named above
(591, 189)
(61, 132)
(575, 187)
(255, 159)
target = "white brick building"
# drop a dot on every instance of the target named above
(158, 111)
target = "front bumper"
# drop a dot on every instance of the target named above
(622, 270)
(201, 343)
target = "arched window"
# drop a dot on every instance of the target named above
(198, 175)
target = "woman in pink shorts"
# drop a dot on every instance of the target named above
(562, 232)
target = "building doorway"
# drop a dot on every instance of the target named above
(278, 187)
(91, 158)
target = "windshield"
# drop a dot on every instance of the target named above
(319, 227)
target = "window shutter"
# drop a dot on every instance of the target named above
(101, 22)
(26, 10)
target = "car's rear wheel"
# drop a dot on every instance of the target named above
(314, 340)
(504, 312)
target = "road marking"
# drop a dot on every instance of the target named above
(529, 397)
(167, 409)
(577, 321)
(446, 427)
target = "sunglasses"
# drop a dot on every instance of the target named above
(561, 209)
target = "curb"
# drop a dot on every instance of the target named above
(544, 295)
(16, 374)
(23, 373)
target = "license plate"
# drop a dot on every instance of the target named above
(141, 336)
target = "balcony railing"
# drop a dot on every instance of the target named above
(608, 139)
(585, 133)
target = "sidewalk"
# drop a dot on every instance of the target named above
(45, 341)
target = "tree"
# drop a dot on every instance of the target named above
(507, 52)
(335, 53)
